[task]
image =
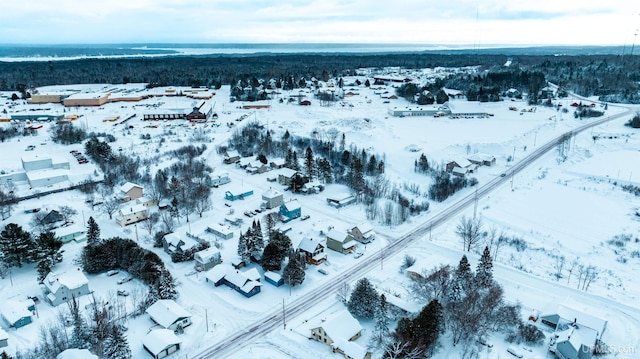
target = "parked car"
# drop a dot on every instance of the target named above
(248, 214)
(113, 272)
(125, 279)
(305, 217)
(358, 255)
(322, 271)
(123, 293)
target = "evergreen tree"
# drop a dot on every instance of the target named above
(422, 166)
(81, 335)
(116, 345)
(309, 164)
(372, 165)
(293, 273)
(4, 354)
(295, 165)
(16, 245)
(48, 248)
(243, 248)
(271, 258)
(463, 273)
(166, 286)
(343, 141)
(484, 270)
(355, 178)
(363, 300)
(429, 324)
(381, 329)
(93, 232)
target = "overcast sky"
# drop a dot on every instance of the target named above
(456, 22)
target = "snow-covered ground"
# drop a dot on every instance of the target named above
(571, 209)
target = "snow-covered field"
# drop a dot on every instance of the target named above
(571, 209)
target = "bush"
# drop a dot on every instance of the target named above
(531, 334)
(519, 244)
(634, 122)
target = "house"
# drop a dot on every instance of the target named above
(339, 330)
(169, 315)
(61, 287)
(220, 178)
(241, 282)
(290, 210)
(179, 243)
(341, 200)
(363, 232)
(272, 199)
(130, 191)
(459, 171)
(231, 157)
(220, 231)
(131, 214)
(401, 308)
(75, 353)
(277, 163)
(312, 250)
(256, 167)
(207, 259)
(340, 241)
(285, 176)
(76, 232)
(577, 332)
(161, 343)
(273, 278)
(52, 217)
(17, 314)
(461, 163)
(4, 338)
(146, 201)
(234, 195)
(482, 159)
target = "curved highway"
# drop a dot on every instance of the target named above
(273, 319)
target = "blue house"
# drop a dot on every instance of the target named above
(17, 314)
(234, 195)
(239, 281)
(273, 278)
(290, 210)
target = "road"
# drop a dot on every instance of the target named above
(273, 319)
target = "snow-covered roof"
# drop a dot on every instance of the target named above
(128, 187)
(75, 353)
(74, 228)
(365, 228)
(309, 244)
(13, 311)
(3, 335)
(46, 173)
(218, 272)
(337, 235)
(241, 281)
(271, 193)
(33, 157)
(174, 239)
(217, 227)
(408, 306)
(166, 312)
(133, 208)
(207, 255)
(291, 205)
(569, 313)
(273, 276)
(481, 157)
(252, 274)
(350, 349)
(341, 325)
(158, 340)
(72, 280)
(287, 172)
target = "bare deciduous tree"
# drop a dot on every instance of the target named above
(470, 231)
(110, 206)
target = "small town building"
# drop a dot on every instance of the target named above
(74, 232)
(169, 315)
(86, 99)
(482, 159)
(17, 314)
(130, 191)
(161, 343)
(313, 250)
(341, 200)
(339, 331)
(131, 214)
(179, 243)
(233, 278)
(220, 178)
(207, 259)
(363, 232)
(290, 210)
(273, 278)
(272, 199)
(231, 157)
(237, 194)
(286, 175)
(61, 287)
(340, 241)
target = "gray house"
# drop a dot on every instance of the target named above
(340, 241)
(272, 199)
(207, 259)
(61, 287)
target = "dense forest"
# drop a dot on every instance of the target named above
(612, 77)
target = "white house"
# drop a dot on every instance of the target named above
(131, 214)
(76, 354)
(61, 287)
(161, 343)
(339, 330)
(168, 314)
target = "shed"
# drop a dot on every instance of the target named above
(4, 338)
(234, 195)
(161, 343)
(16, 314)
(273, 278)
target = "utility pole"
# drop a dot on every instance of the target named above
(475, 205)
(284, 317)
(206, 318)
